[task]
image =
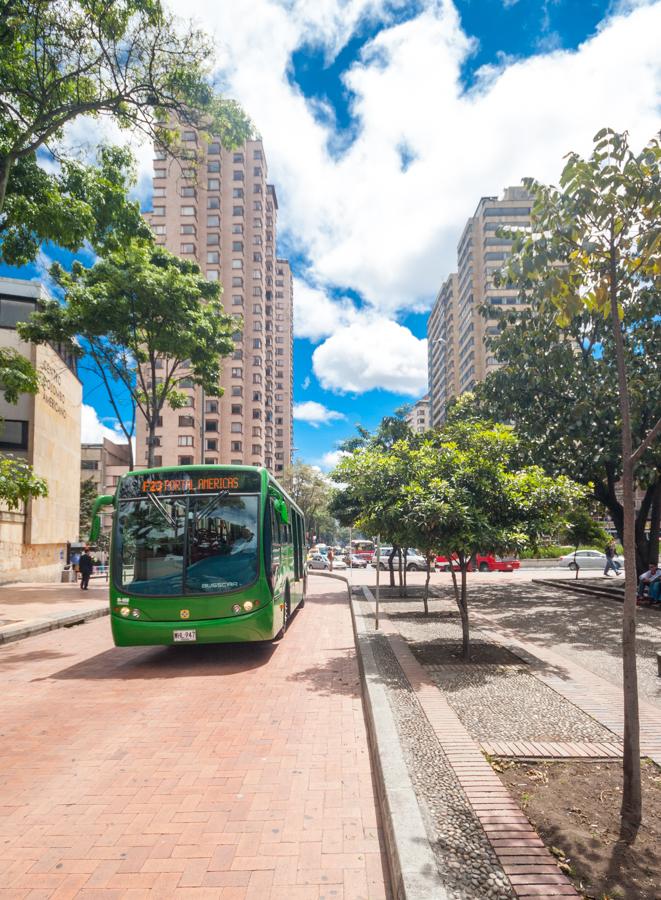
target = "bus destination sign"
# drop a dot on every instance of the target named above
(201, 482)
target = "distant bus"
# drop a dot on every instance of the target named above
(363, 549)
(203, 554)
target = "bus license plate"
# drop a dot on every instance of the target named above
(185, 635)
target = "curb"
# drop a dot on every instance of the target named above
(20, 630)
(413, 870)
(580, 589)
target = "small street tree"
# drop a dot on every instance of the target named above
(129, 59)
(311, 490)
(147, 319)
(595, 248)
(18, 483)
(88, 494)
(466, 495)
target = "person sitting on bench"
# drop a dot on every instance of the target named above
(652, 581)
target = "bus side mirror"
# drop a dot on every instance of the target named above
(282, 511)
(95, 529)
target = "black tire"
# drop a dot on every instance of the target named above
(286, 615)
(572, 566)
(412, 568)
(484, 567)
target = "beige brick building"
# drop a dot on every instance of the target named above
(44, 430)
(223, 213)
(418, 417)
(457, 332)
(104, 464)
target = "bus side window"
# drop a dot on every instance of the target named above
(296, 534)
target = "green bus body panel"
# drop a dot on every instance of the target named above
(209, 615)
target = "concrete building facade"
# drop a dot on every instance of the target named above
(104, 464)
(443, 351)
(222, 212)
(480, 253)
(44, 430)
(418, 418)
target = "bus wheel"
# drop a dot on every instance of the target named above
(305, 591)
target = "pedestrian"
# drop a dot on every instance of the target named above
(611, 562)
(330, 558)
(86, 565)
(652, 580)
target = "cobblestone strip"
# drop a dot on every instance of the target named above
(594, 695)
(552, 749)
(531, 869)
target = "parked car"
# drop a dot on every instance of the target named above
(483, 563)
(414, 561)
(318, 561)
(587, 559)
(355, 562)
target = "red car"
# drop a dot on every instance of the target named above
(483, 563)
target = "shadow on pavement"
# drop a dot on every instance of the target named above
(128, 663)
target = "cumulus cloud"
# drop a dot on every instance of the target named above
(372, 353)
(93, 431)
(315, 414)
(386, 228)
(329, 460)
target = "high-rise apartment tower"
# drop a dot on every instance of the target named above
(457, 332)
(222, 212)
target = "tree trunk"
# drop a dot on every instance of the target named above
(425, 596)
(631, 811)
(391, 560)
(6, 163)
(405, 573)
(646, 547)
(463, 610)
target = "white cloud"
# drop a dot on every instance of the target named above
(93, 431)
(389, 232)
(315, 414)
(306, 383)
(372, 353)
(331, 459)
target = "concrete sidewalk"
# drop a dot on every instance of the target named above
(27, 609)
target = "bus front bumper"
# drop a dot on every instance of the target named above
(256, 626)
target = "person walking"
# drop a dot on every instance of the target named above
(86, 566)
(611, 562)
(330, 558)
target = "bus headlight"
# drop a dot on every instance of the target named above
(248, 605)
(236, 609)
(135, 613)
(124, 611)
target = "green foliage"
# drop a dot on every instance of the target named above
(61, 59)
(452, 492)
(311, 490)
(18, 483)
(558, 382)
(88, 495)
(147, 318)
(17, 376)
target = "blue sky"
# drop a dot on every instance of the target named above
(383, 125)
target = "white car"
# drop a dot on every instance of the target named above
(587, 559)
(414, 561)
(319, 561)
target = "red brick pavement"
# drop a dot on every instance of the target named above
(221, 772)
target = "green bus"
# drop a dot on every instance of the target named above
(202, 554)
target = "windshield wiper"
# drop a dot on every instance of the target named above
(163, 511)
(210, 505)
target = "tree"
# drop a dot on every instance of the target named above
(311, 490)
(88, 494)
(466, 495)
(17, 375)
(18, 483)
(145, 318)
(558, 385)
(61, 59)
(595, 249)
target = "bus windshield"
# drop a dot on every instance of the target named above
(196, 544)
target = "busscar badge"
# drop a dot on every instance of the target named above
(185, 613)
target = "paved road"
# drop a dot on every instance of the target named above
(224, 772)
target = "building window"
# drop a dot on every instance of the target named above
(237, 193)
(214, 149)
(211, 425)
(210, 461)
(187, 229)
(237, 263)
(237, 228)
(237, 211)
(236, 427)
(187, 248)
(186, 211)
(237, 300)
(158, 229)
(213, 240)
(237, 281)
(236, 446)
(185, 460)
(213, 202)
(237, 372)
(159, 211)
(237, 158)
(213, 184)
(213, 256)
(211, 444)
(237, 390)
(188, 192)
(213, 165)
(212, 274)
(257, 205)
(213, 221)
(159, 192)
(237, 409)
(257, 449)
(185, 440)
(188, 136)
(186, 422)
(257, 172)
(90, 465)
